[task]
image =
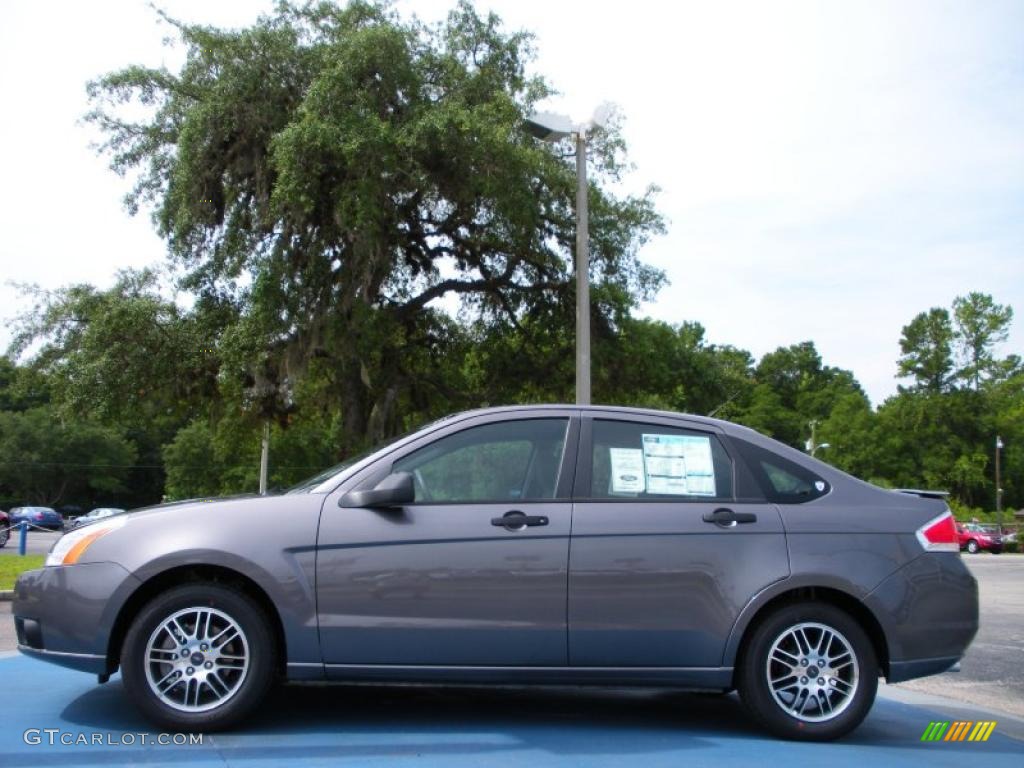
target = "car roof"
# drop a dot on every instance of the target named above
(591, 409)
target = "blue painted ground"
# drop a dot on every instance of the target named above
(319, 725)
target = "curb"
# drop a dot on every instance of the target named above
(6, 594)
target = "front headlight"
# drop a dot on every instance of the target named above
(71, 546)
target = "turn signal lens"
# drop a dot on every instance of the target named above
(71, 546)
(939, 534)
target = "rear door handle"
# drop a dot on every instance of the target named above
(726, 518)
(514, 520)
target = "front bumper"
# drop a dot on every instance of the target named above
(65, 614)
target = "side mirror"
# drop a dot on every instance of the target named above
(393, 491)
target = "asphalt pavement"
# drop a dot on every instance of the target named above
(37, 543)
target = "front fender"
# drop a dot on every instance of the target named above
(271, 541)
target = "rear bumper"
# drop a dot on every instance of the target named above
(908, 670)
(65, 614)
(929, 612)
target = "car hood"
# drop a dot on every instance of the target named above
(191, 502)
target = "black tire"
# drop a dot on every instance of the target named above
(753, 671)
(972, 547)
(5, 535)
(255, 681)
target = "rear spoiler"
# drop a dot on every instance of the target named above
(923, 494)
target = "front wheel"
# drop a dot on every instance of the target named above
(198, 657)
(972, 547)
(5, 534)
(809, 672)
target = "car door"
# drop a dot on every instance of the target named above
(457, 578)
(665, 553)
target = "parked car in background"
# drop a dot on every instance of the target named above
(97, 514)
(975, 538)
(5, 532)
(40, 517)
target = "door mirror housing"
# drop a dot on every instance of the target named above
(394, 490)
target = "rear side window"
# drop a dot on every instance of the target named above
(783, 481)
(652, 461)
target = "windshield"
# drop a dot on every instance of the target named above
(312, 482)
(308, 485)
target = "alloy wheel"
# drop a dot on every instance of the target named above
(812, 672)
(197, 659)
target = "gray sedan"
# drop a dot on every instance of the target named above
(523, 545)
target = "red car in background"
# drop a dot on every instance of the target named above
(974, 537)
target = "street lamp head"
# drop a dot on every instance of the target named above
(549, 126)
(825, 445)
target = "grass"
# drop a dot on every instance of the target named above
(12, 565)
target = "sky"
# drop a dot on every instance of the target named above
(828, 169)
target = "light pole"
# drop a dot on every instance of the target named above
(812, 444)
(548, 126)
(999, 490)
(264, 457)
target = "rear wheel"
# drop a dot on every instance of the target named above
(809, 672)
(198, 657)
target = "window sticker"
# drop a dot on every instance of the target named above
(678, 465)
(627, 470)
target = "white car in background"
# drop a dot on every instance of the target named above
(97, 514)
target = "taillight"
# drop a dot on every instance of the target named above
(939, 534)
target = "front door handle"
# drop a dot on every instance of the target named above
(726, 518)
(514, 520)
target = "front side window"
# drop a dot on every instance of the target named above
(506, 461)
(631, 460)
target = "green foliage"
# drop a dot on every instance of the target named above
(940, 349)
(792, 388)
(980, 325)
(330, 171)
(47, 460)
(126, 354)
(218, 459)
(927, 350)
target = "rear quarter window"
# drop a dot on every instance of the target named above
(783, 481)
